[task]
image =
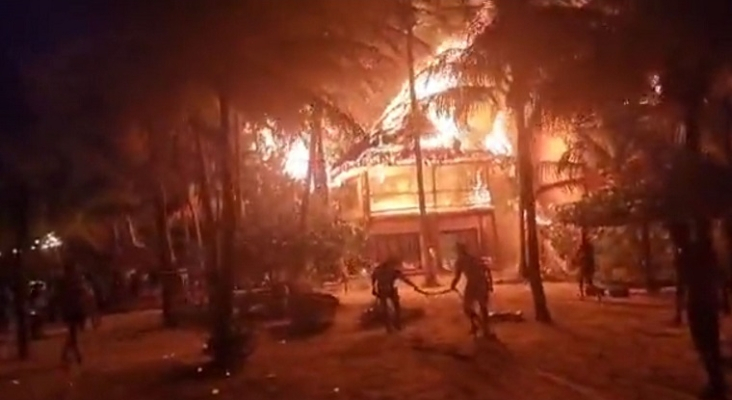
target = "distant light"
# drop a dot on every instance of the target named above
(50, 241)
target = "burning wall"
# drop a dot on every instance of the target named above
(459, 181)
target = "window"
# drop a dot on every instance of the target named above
(394, 188)
(455, 185)
(403, 245)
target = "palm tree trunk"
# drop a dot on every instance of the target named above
(726, 271)
(701, 270)
(116, 236)
(646, 258)
(305, 203)
(237, 166)
(132, 231)
(21, 210)
(533, 266)
(424, 225)
(207, 195)
(165, 257)
(727, 221)
(320, 175)
(223, 332)
(523, 273)
(209, 231)
(680, 237)
(196, 221)
(185, 222)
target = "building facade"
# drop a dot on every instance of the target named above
(459, 203)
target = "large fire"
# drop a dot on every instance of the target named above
(447, 129)
(297, 159)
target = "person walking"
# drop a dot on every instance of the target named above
(478, 286)
(72, 302)
(383, 283)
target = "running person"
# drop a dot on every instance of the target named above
(478, 286)
(383, 283)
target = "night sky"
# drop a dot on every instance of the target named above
(29, 29)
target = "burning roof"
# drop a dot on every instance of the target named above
(442, 137)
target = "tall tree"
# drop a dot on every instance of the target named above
(498, 68)
(414, 126)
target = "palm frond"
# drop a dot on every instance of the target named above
(567, 185)
(572, 163)
(341, 124)
(462, 101)
(592, 147)
(550, 171)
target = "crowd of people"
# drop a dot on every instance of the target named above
(478, 286)
(71, 300)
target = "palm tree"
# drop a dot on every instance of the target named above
(687, 69)
(514, 46)
(264, 62)
(286, 71)
(424, 225)
(619, 148)
(614, 64)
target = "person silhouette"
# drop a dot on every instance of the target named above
(383, 283)
(478, 286)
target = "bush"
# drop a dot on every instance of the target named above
(311, 312)
(618, 252)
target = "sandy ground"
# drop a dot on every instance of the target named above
(619, 349)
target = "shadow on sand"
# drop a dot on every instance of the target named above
(372, 317)
(289, 330)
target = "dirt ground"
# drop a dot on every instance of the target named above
(619, 349)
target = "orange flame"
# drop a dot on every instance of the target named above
(446, 128)
(497, 141)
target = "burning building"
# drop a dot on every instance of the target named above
(467, 176)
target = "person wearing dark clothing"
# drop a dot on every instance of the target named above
(383, 283)
(478, 286)
(586, 261)
(37, 311)
(702, 311)
(72, 295)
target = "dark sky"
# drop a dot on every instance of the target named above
(32, 28)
